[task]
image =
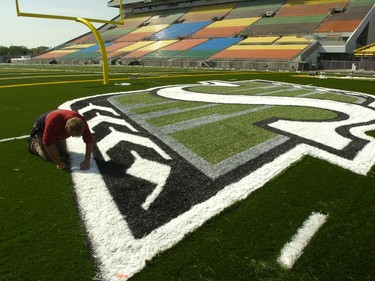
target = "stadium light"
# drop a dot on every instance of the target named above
(88, 23)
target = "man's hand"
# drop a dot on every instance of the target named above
(86, 161)
(53, 152)
(85, 164)
(62, 166)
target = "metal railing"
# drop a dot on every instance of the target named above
(359, 65)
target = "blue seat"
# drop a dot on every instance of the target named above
(180, 30)
(217, 44)
(94, 48)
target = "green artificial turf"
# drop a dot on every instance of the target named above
(42, 236)
(220, 140)
(244, 242)
(248, 90)
(222, 109)
(161, 107)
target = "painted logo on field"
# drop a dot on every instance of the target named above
(148, 186)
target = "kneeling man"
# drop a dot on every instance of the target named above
(49, 134)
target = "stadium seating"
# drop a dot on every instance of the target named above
(348, 21)
(261, 52)
(175, 49)
(141, 33)
(128, 48)
(297, 17)
(305, 9)
(166, 17)
(55, 54)
(260, 40)
(179, 30)
(257, 8)
(285, 25)
(278, 30)
(135, 20)
(113, 34)
(90, 53)
(69, 49)
(77, 46)
(84, 39)
(292, 39)
(149, 48)
(206, 13)
(208, 48)
(224, 28)
(366, 52)
(116, 50)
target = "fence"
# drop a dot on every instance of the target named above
(360, 65)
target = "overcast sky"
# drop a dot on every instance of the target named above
(34, 32)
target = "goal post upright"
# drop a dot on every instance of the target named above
(88, 22)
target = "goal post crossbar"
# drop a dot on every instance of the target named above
(88, 22)
(47, 16)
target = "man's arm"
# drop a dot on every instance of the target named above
(52, 151)
(86, 161)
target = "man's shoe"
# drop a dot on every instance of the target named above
(29, 145)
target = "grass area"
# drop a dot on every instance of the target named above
(248, 90)
(336, 97)
(223, 109)
(220, 140)
(42, 236)
(243, 242)
(161, 107)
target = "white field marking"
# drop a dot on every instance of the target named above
(316, 131)
(113, 242)
(97, 107)
(122, 84)
(103, 118)
(15, 138)
(294, 249)
(116, 249)
(116, 137)
(151, 171)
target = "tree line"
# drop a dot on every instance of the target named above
(18, 51)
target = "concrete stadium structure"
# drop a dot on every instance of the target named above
(261, 35)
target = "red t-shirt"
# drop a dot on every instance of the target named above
(55, 127)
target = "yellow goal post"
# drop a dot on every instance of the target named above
(88, 22)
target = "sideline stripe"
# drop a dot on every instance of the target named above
(122, 79)
(293, 249)
(48, 83)
(15, 138)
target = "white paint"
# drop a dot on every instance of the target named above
(294, 249)
(103, 118)
(219, 83)
(116, 137)
(116, 248)
(122, 84)
(151, 171)
(97, 107)
(119, 253)
(15, 138)
(321, 132)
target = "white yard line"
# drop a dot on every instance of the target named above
(294, 249)
(15, 138)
